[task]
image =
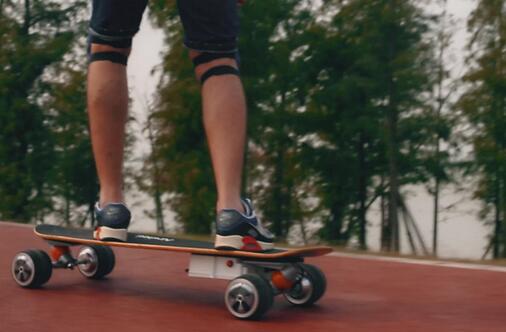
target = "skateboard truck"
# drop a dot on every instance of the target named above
(285, 278)
(62, 257)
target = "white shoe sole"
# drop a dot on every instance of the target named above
(106, 233)
(237, 242)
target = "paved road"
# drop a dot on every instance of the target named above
(149, 291)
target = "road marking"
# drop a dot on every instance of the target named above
(455, 265)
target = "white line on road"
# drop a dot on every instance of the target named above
(455, 265)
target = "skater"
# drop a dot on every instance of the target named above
(211, 28)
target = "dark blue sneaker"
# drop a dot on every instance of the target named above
(235, 230)
(112, 222)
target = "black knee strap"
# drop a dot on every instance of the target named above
(208, 57)
(218, 71)
(115, 57)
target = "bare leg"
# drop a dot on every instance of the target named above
(108, 109)
(225, 123)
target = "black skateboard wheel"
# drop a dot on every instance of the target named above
(31, 268)
(249, 297)
(95, 262)
(309, 288)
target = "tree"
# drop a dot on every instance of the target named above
(151, 179)
(444, 88)
(368, 105)
(73, 177)
(35, 34)
(483, 104)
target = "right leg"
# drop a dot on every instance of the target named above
(211, 28)
(113, 24)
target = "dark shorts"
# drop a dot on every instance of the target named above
(209, 25)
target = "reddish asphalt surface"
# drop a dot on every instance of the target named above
(149, 291)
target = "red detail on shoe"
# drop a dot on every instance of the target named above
(230, 263)
(250, 244)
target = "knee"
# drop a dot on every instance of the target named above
(102, 52)
(214, 64)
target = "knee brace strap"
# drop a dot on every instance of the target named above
(208, 57)
(115, 57)
(218, 71)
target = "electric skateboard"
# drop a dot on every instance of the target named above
(255, 277)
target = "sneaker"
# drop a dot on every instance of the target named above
(112, 222)
(235, 230)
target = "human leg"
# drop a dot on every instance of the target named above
(224, 113)
(113, 24)
(107, 111)
(211, 31)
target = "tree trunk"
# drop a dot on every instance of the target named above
(497, 223)
(26, 19)
(362, 194)
(155, 181)
(502, 208)
(67, 210)
(435, 216)
(91, 208)
(160, 222)
(393, 175)
(385, 235)
(439, 108)
(336, 223)
(392, 226)
(277, 195)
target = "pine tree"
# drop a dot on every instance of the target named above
(35, 34)
(375, 74)
(438, 157)
(483, 104)
(73, 180)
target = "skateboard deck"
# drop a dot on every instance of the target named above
(70, 236)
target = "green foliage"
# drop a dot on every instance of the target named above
(368, 107)
(73, 178)
(484, 106)
(35, 34)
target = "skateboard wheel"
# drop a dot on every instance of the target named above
(31, 268)
(249, 296)
(95, 262)
(309, 288)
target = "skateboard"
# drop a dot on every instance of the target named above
(255, 277)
